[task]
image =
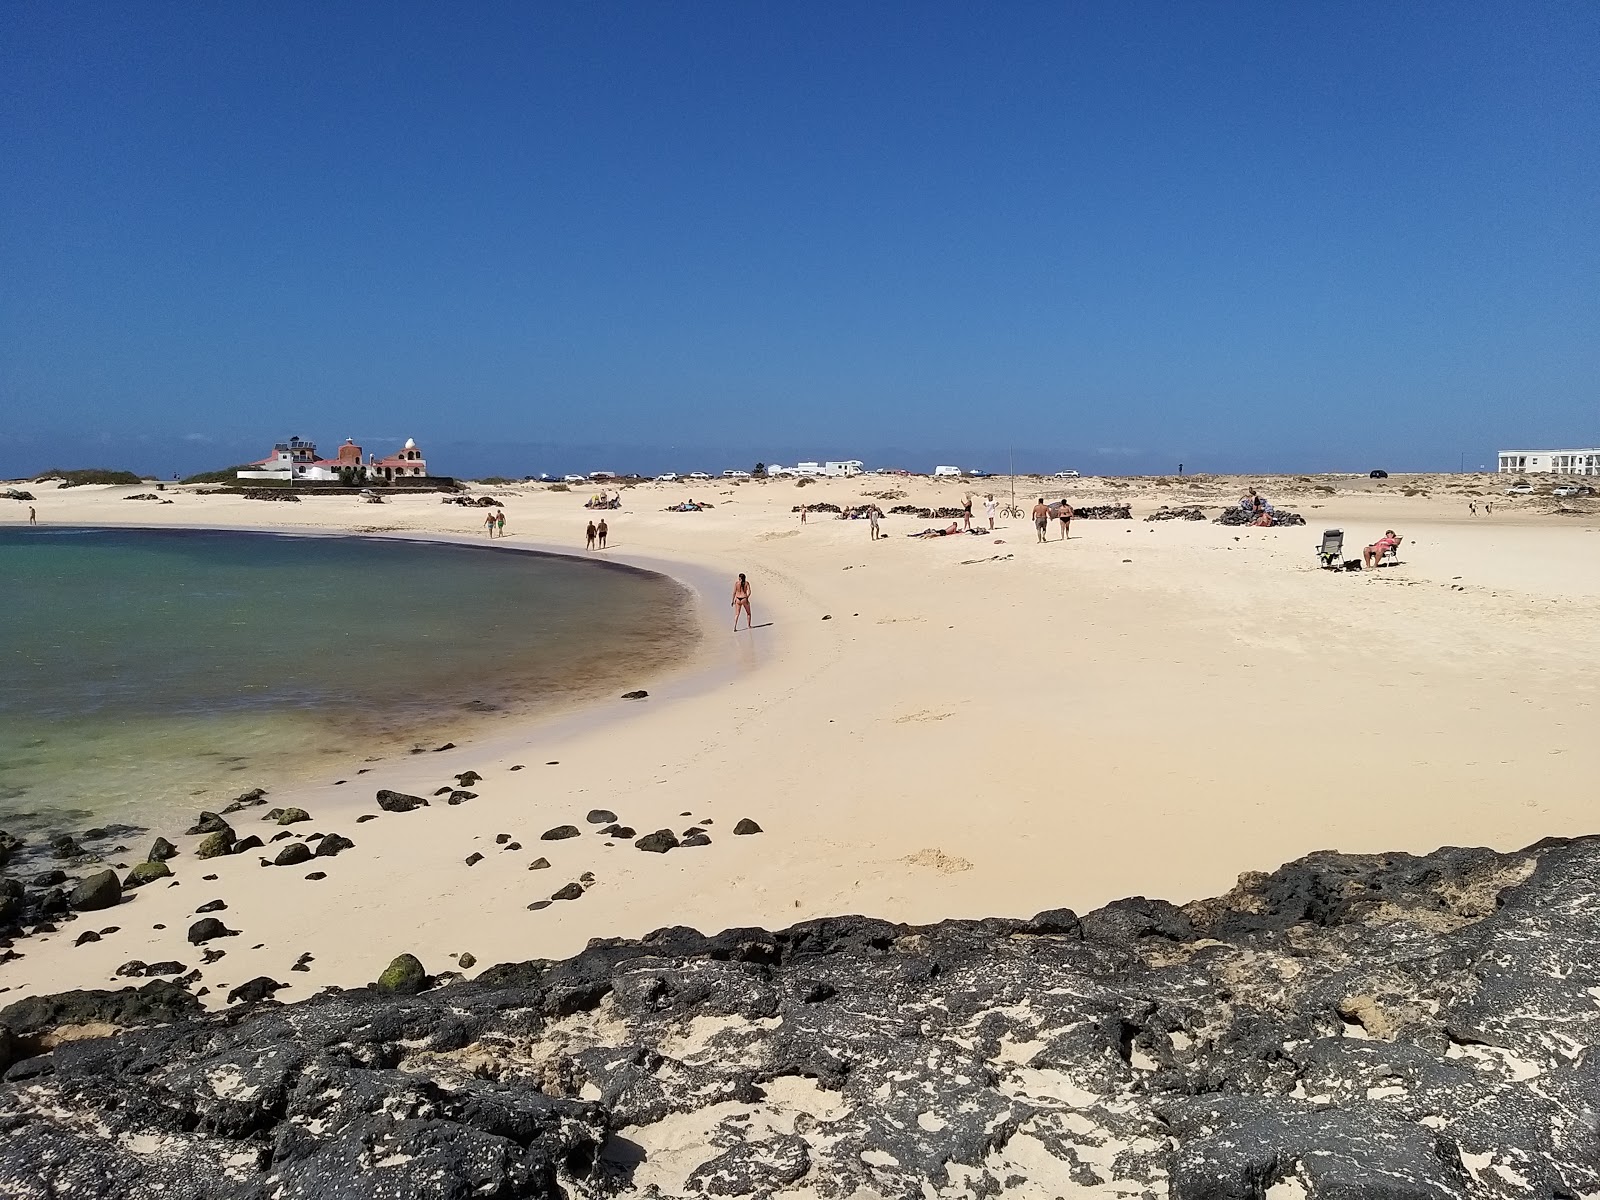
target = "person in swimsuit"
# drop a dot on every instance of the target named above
(989, 507)
(966, 512)
(741, 602)
(601, 531)
(872, 520)
(1064, 514)
(1041, 519)
(1373, 554)
(488, 523)
(500, 522)
(804, 509)
(590, 534)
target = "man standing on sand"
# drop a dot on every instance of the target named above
(989, 507)
(488, 523)
(601, 532)
(741, 602)
(1041, 519)
(1064, 513)
(500, 522)
(804, 509)
(33, 517)
(589, 535)
(872, 521)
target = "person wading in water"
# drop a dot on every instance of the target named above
(741, 602)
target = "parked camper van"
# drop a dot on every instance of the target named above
(946, 471)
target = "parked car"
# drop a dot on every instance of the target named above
(697, 475)
(1574, 489)
(1520, 489)
(573, 479)
(667, 477)
(1065, 475)
(1378, 475)
(733, 474)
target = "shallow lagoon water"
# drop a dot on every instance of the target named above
(144, 673)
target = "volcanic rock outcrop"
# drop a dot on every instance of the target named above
(1349, 1026)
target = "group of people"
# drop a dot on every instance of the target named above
(495, 523)
(595, 535)
(1256, 505)
(1042, 513)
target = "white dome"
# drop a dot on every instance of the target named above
(410, 444)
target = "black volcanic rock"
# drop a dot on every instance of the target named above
(102, 890)
(334, 844)
(746, 826)
(1349, 1026)
(161, 850)
(293, 855)
(399, 802)
(658, 842)
(559, 833)
(207, 928)
(209, 822)
(601, 816)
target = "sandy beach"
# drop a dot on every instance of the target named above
(954, 727)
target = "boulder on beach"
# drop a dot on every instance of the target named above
(560, 833)
(146, 872)
(461, 796)
(207, 928)
(292, 816)
(600, 816)
(333, 844)
(539, 864)
(293, 855)
(250, 843)
(404, 976)
(161, 850)
(399, 802)
(99, 891)
(209, 822)
(254, 990)
(746, 826)
(9, 845)
(572, 891)
(658, 842)
(214, 845)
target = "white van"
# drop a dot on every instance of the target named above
(947, 471)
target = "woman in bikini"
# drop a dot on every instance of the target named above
(741, 602)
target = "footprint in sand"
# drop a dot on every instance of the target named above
(926, 714)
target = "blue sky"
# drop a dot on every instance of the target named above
(1246, 236)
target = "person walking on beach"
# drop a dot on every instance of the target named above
(1064, 514)
(1041, 519)
(488, 523)
(589, 535)
(989, 507)
(872, 522)
(33, 517)
(1472, 507)
(741, 602)
(601, 532)
(966, 512)
(500, 522)
(804, 509)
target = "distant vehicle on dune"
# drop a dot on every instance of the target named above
(667, 477)
(573, 479)
(1520, 489)
(1065, 475)
(698, 475)
(1377, 475)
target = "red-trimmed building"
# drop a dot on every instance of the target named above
(408, 462)
(297, 460)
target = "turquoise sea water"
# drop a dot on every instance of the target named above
(145, 673)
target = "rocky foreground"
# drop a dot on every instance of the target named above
(1348, 1026)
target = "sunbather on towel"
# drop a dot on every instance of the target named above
(930, 532)
(1373, 554)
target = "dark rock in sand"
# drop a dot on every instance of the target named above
(161, 850)
(399, 802)
(618, 831)
(366, 817)
(293, 816)
(539, 864)
(250, 843)
(317, 875)
(601, 816)
(87, 936)
(48, 879)
(559, 833)
(446, 746)
(334, 844)
(96, 892)
(474, 859)
(500, 839)
(209, 822)
(146, 872)
(210, 956)
(467, 778)
(281, 836)
(65, 847)
(208, 928)
(293, 855)
(696, 839)
(746, 826)
(572, 891)
(157, 1002)
(214, 845)
(461, 796)
(9, 845)
(658, 842)
(248, 800)
(404, 976)
(303, 963)
(444, 791)
(467, 961)
(638, 695)
(254, 990)
(212, 906)
(538, 904)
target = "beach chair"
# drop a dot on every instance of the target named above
(1391, 554)
(1331, 551)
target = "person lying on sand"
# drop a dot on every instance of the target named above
(1373, 554)
(930, 532)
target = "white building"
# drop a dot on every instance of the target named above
(296, 461)
(1550, 462)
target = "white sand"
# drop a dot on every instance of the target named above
(1149, 708)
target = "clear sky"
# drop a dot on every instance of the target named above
(1242, 235)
